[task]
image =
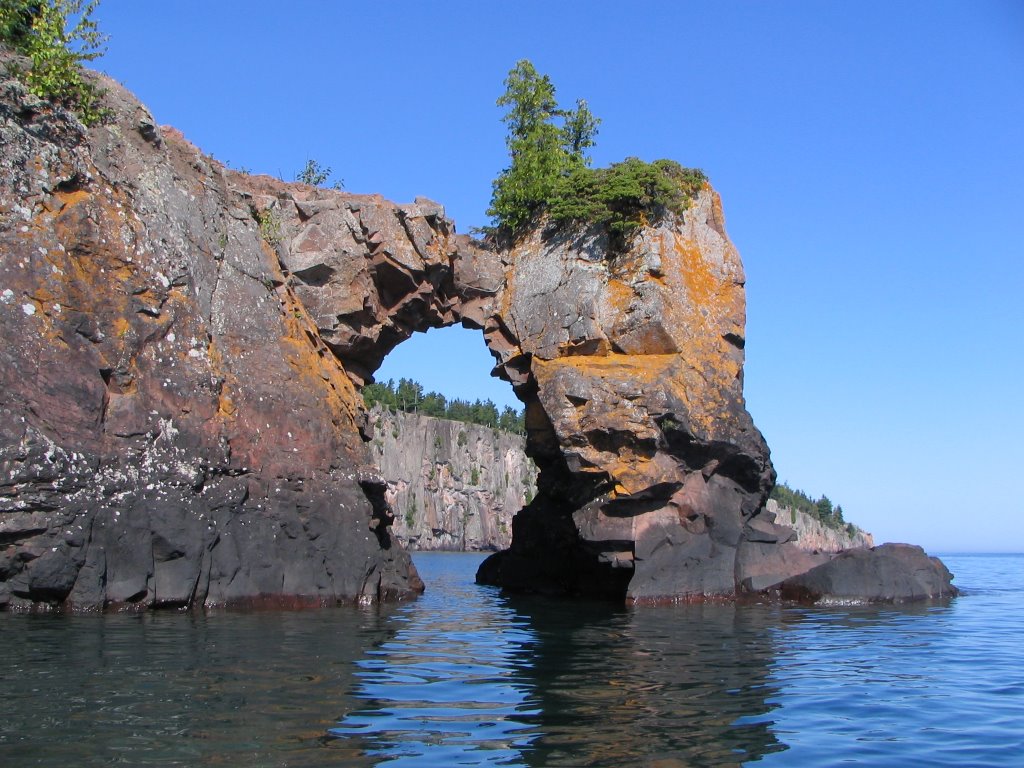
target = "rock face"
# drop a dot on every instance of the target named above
(890, 573)
(453, 486)
(653, 476)
(181, 346)
(813, 536)
(173, 429)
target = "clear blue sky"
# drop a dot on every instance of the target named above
(870, 157)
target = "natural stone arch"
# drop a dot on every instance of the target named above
(629, 365)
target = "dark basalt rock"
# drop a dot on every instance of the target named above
(889, 573)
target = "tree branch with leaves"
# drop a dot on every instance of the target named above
(57, 36)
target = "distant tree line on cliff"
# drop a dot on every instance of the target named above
(820, 509)
(408, 396)
(549, 170)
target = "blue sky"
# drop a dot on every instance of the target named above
(869, 156)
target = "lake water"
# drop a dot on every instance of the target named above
(465, 676)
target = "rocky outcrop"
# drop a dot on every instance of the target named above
(181, 346)
(653, 476)
(453, 486)
(814, 536)
(890, 573)
(173, 429)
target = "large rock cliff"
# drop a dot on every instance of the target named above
(181, 346)
(453, 486)
(173, 428)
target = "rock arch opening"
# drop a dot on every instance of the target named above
(449, 444)
(628, 362)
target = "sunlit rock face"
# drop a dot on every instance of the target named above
(453, 486)
(630, 362)
(174, 430)
(180, 351)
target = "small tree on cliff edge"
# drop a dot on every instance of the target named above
(550, 170)
(57, 35)
(541, 153)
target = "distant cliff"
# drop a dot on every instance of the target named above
(812, 535)
(452, 485)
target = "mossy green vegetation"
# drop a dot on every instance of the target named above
(625, 195)
(408, 396)
(57, 36)
(549, 171)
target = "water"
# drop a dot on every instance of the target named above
(465, 676)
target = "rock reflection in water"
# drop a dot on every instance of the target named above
(683, 685)
(231, 689)
(474, 678)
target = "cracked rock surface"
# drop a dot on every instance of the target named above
(173, 430)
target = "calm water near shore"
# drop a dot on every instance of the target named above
(465, 676)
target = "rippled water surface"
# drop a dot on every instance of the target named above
(465, 676)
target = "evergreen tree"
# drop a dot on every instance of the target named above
(549, 168)
(824, 508)
(578, 134)
(535, 147)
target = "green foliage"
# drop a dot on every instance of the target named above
(824, 507)
(410, 511)
(317, 175)
(626, 195)
(474, 476)
(820, 509)
(540, 152)
(408, 396)
(269, 224)
(578, 132)
(57, 35)
(549, 169)
(511, 420)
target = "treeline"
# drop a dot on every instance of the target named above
(408, 396)
(820, 509)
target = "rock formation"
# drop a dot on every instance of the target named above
(457, 486)
(181, 346)
(452, 486)
(890, 573)
(173, 429)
